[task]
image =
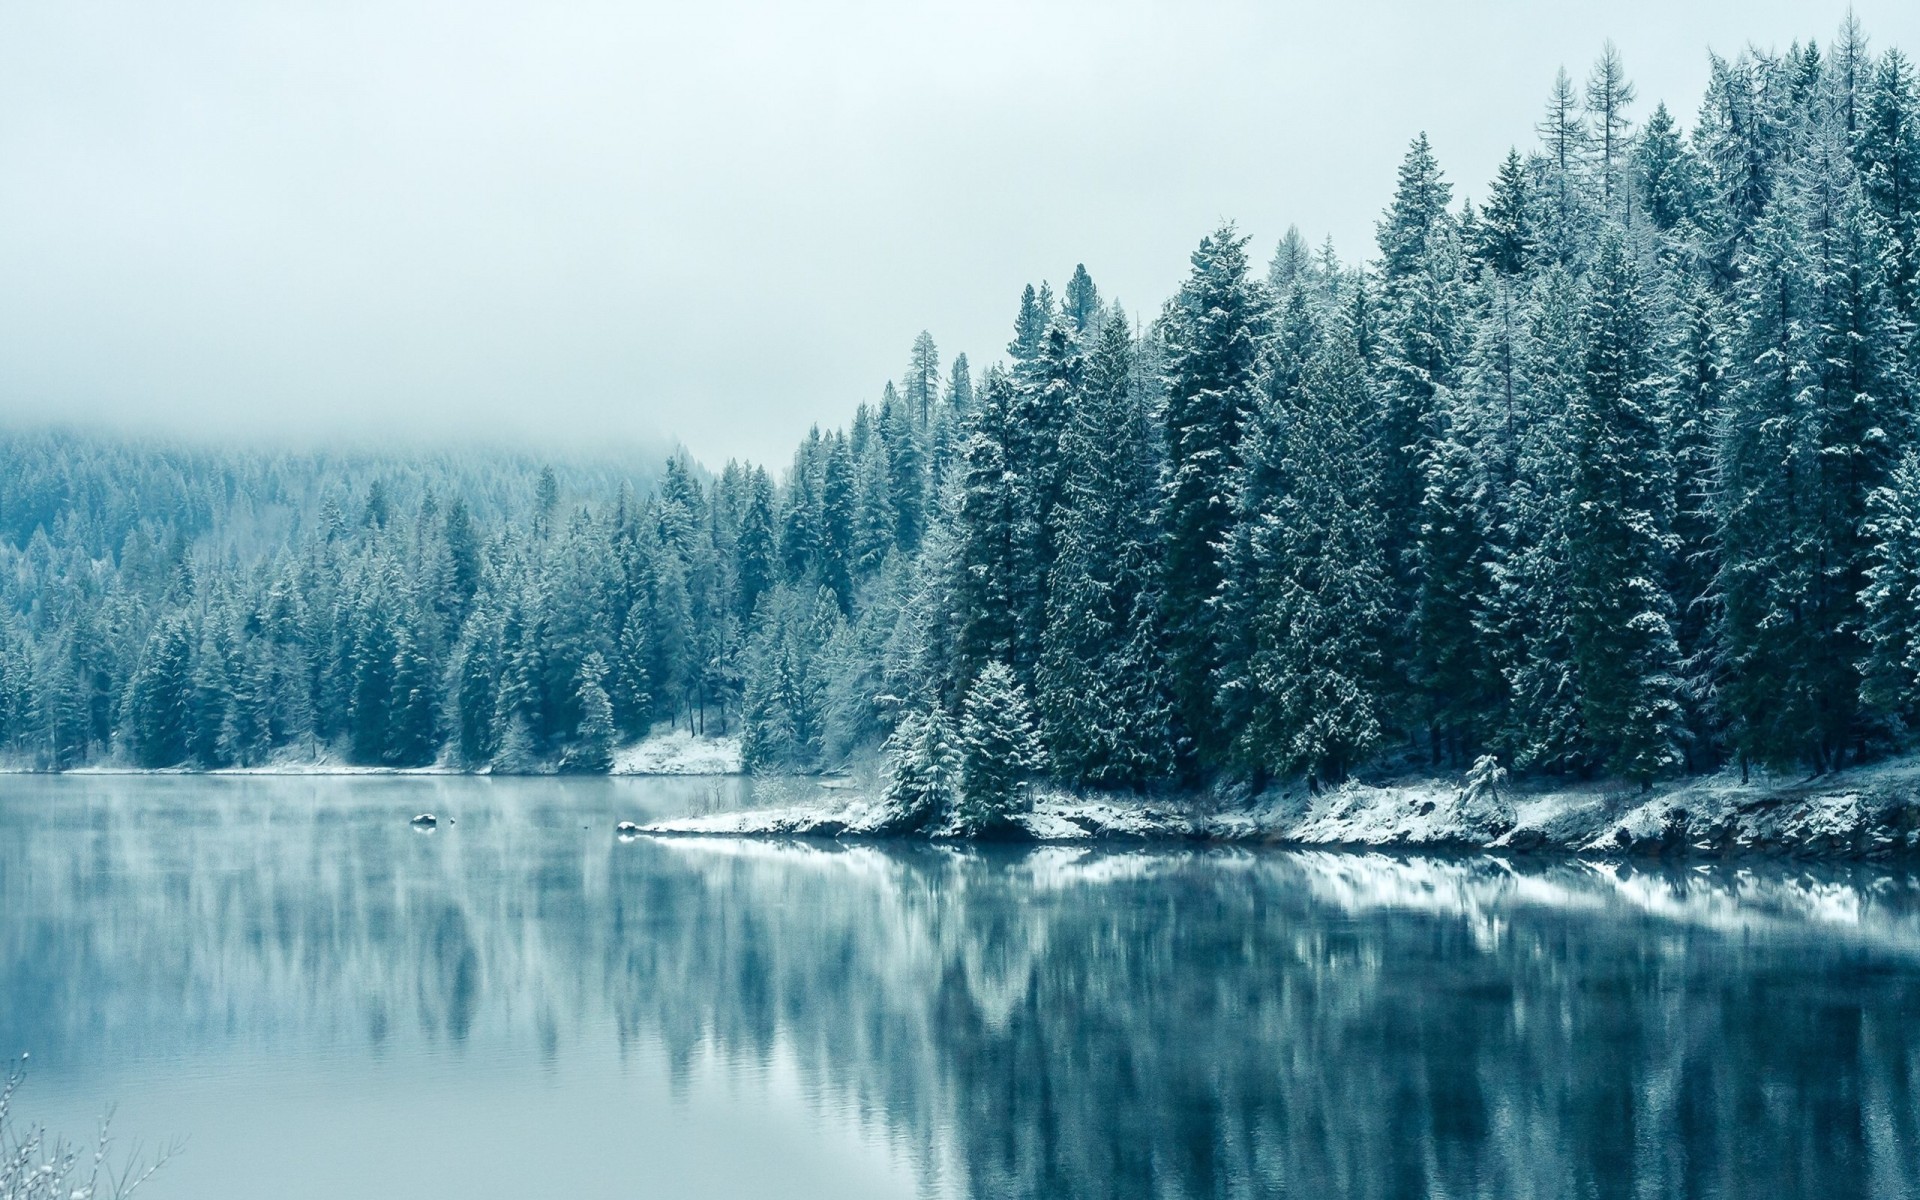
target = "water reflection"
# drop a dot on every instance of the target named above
(1043, 1023)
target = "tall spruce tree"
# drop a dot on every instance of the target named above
(1000, 750)
(1313, 568)
(1620, 519)
(1215, 331)
(1100, 685)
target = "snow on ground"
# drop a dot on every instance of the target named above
(679, 753)
(1866, 813)
(675, 752)
(282, 764)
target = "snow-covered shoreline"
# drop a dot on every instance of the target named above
(675, 753)
(1865, 813)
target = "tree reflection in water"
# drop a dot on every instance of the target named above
(1046, 1022)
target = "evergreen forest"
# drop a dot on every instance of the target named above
(1610, 469)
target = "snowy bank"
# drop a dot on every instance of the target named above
(1865, 813)
(680, 753)
(663, 753)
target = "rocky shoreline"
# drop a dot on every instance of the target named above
(1863, 814)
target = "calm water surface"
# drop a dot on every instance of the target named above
(326, 1003)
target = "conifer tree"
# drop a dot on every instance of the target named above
(1450, 599)
(1314, 573)
(1029, 327)
(413, 735)
(463, 550)
(476, 666)
(1214, 331)
(1000, 750)
(210, 724)
(1620, 518)
(1665, 172)
(1036, 476)
(1888, 146)
(837, 516)
(1080, 304)
(1811, 434)
(989, 531)
(1422, 344)
(874, 522)
(1526, 625)
(1292, 262)
(755, 549)
(1892, 596)
(1695, 408)
(1506, 231)
(920, 388)
(1100, 686)
(159, 697)
(592, 749)
(1609, 94)
(906, 474)
(924, 767)
(1565, 140)
(1418, 212)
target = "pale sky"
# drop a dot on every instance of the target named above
(720, 222)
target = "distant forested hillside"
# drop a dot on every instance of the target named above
(1611, 470)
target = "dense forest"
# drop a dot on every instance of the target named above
(1612, 472)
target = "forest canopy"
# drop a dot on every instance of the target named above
(1611, 471)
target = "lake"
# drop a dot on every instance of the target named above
(324, 1002)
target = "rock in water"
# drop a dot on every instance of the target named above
(424, 821)
(627, 829)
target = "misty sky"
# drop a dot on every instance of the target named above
(720, 222)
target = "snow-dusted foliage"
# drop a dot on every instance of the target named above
(38, 1165)
(1609, 474)
(999, 750)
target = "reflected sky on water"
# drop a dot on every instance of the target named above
(324, 1002)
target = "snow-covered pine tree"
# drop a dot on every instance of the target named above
(838, 503)
(592, 750)
(1813, 427)
(1100, 687)
(1695, 397)
(1000, 750)
(1526, 625)
(1080, 303)
(1506, 241)
(1666, 173)
(1292, 262)
(1030, 323)
(1888, 148)
(413, 730)
(1892, 597)
(1619, 516)
(1566, 208)
(756, 548)
(159, 696)
(476, 668)
(1422, 342)
(1215, 330)
(920, 386)
(519, 701)
(1742, 137)
(924, 767)
(1311, 571)
(1037, 478)
(1457, 704)
(949, 426)
(874, 521)
(989, 529)
(906, 473)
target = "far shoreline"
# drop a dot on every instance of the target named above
(1868, 815)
